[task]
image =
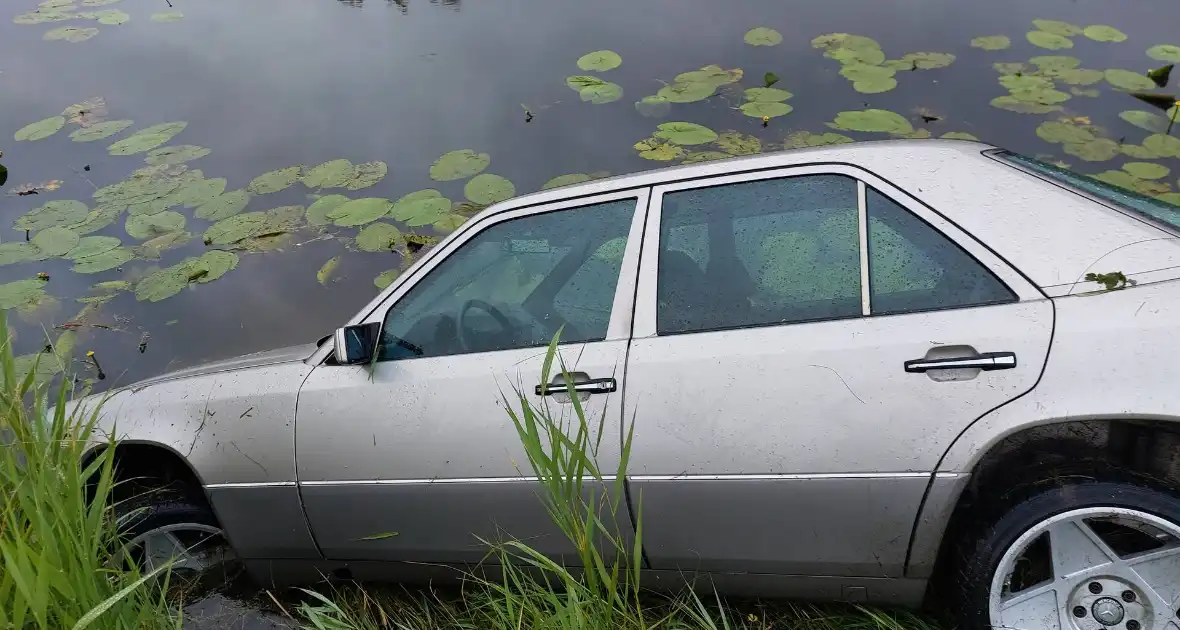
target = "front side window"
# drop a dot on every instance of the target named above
(515, 284)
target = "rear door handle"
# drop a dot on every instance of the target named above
(592, 386)
(987, 361)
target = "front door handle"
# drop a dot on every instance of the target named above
(592, 386)
(987, 361)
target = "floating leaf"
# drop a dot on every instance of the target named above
(71, 34)
(1062, 133)
(97, 219)
(198, 192)
(326, 271)
(566, 180)
(928, 60)
(274, 181)
(881, 120)
(1161, 101)
(864, 72)
(333, 174)
(1040, 96)
(386, 278)
(458, 165)
(1117, 178)
(152, 248)
(1104, 33)
(1048, 40)
(704, 156)
(449, 223)
(223, 206)
(420, 207)
(653, 149)
(736, 143)
(1162, 145)
(112, 17)
(366, 174)
(713, 74)
(235, 228)
(176, 155)
(685, 133)
(875, 86)
(378, 237)
(600, 61)
(97, 3)
(1139, 152)
(991, 42)
(18, 252)
(959, 135)
(1160, 75)
(1145, 120)
(1080, 76)
(805, 139)
(1093, 151)
(771, 110)
(171, 16)
(766, 95)
(488, 189)
(147, 139)
(161, 284)
(1058, 27)
(317, 213)
(653, 106)
(53, 214)
(1128, 80)
(40, 129)
(91, 246)
(769, 79)
(763, 36)
(602, 93)
(1084, 92)
(1009, 68)
(359, 211)
(209, 266)
(99, 131)
(145, 226)
(1022, 107)
(848, 48)
(279, 220)
(44, 15)
(1025, 82)
(1165, 52)
(103, 262)
(1172, 198)
(687, 91)
(1146, 170)
(22, 293)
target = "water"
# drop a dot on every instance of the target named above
(267, 84)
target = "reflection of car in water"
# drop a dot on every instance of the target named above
(865, 372)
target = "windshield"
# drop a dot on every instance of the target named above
(1120, 197)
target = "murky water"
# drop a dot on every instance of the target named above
(267, 84)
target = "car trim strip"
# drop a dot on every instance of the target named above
(262, 484)
(863, 227)
(685, 477)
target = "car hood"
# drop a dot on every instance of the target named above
(269, 357)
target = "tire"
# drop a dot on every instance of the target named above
(1064, 514)
(186, 523)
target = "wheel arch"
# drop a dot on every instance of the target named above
(149, 460)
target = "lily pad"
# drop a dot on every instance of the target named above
(146, 139)
(687, 91)
(653, 106)
(105, 261)
(386, 278)
(274, 181)
(1172, 198)
(152, 248)
(280, 220)
(1145, 120)
(1058, 27)
(1080, 76)
(928, 60)
(378, 237)
(1025, 82)
(766, 95)
(55, 241)
(112, 17)
(236, 228)
(875, 86)
(1128, 80)
(359, 211)
(763, 36)
(420, 208)
(1023, 107)
(53, 214)
(768, 110)
(849, 48)
(806, 139)
(72, 34)
(18, 252)
(209, 266)
(170, 16)
(317, 213)
(653, 149)
(1051, 41)
(1139, 152)
(602, 93)
(1040, 96)
(366, 174)
(178, 154)
(1146, 170)
(488, 189)
(600, 61)
(97, 3)
(685, 133)
(326, 271)
(91, 246)
(959, 135)
(1162, 145)
(99, 131)
(991, 42)
(704, 156)
(863, 72)
(458, 165)
(198, 193)
(565, 180)
(1009, 67)
(1050, 65)
(97, 219)
(1117, 178)
(40, 129)
(22, 293)
(1091, 93)
(161, 284)
(1063, 133)
(333, 174)
(223, 206)
(878, 120)
(1098, 150)
(145, 226)
(449, 223)
(712, 74)
(1165, 52)
(1104, 33)
(736, 143)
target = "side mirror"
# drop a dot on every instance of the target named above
(356, 344)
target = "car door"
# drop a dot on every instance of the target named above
(807, 342)
(414, 457)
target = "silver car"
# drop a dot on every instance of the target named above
(879, 372)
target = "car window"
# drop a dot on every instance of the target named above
(515, 284)
(912, 267)
(758, 253)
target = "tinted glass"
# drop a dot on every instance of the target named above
(912, 267)
(514, 284)
(758, 253)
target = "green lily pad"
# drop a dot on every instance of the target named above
(1098, 150)
(1058, 27)
(333, 174)
(713, 74)
(879, 120)
(687, 91)
(1145, 120)
(199, 192)
(1117, 178)
(959, 135)
(736, 143)
(386, 278)
(97, 3)
(1091, 93)
(1146, 170)
(565, 180)
(1052, 41)
(768, 110)
(40, 130)
(864, 72)
(600, 61)
(1139, 152)
(366, 174)
(145, 226)
(105, 261)
(317, 213)
(653, 149)
(763, 36)
(449, 223)
(359, 211)
(1128, 80)
(72, 34)
(235, 228)
(210, 266)
(458, 165)
(99, 131)
(766, 95)
(928, 60)
(161, 284)
(653, 106)
(685, 133)
(326, 271)
(281, 219)
(695, 157)
(274, 181)
(92, 246)
(848, 48)
(1165, 52)
(602, 93)
(1062, 133)
(1009, 67)
(488, 189)
(1040, 96)
(170, 16)
(1080, 76)
(1162, 145)
(152, 248)
(1023, 107)
(22, 293)
(579, 82)
(1025, 82)
(378, 237)
(18, 252)
(806, 139)
(43, 16)
(418, 209)
(97, 219)
(223, 206)
(1050, 65)
(53, 214)
(178, 154)
(147, 139)
(112, 17)
(1104, 33)
(875, 86)
(991, 42)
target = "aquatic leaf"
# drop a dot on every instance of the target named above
(991, 42)
(1080, 76)
(1162, 101)
(44, 15)
(1165, 52)
(488, 189)
(146, 139)
(176, 155)
(449, 223)
(279, 220)
(223, 206)
(600, 61)
(1060, 132)
(1040, 96)
(763, 36)
(97, 3)
(1048, 40)
(97, 219)
(653, 149)
(53, 214)
(209, 266)
(916, 133)
(1172, 198)
(864, 72)
(1009, 68)
(91, 246)
(333, 174)
(1160, 75)
(359, 211)
(1128, 80)
(1117, 178)
(685, 133)
(770, 110)
(848, 48)
(366, 174)
(21, 293)
(171, 16)
(1162, 145)
(378, 237)
(162, 284)
(704, 156)
(105, 261)
(737, 143)
(274, 181)
(653, 106)
(152, 248)
(71, 34)
(1084, 92)
(233, 229)
(1022, 107)
(146, 226)
(602, 93)
(713, 74)
(1104, 33)
(87, 113)
(386, 278)
(1146, 170)
(40, 129)
(928, 60)
(317, 213)
(1145, 120)
(875, 86)
(19, 251)
(565, 180)
(112, 17)
(1139, 152)
(198, 192)
(769, 79)
(99, 131)
(1093, 151)
(580, 82)
(458, 165)
(959, 135)
(766, 95)
(687, 91)
(326, 271)
(881, 120)
(1058, 27)
(1025, 82)
(805, 139)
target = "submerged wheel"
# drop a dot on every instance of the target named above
(1085, 556)
(174, 530)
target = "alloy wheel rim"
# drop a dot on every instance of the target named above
(1090, 569)
(191, 547)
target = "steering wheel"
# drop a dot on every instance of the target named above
(501, 319)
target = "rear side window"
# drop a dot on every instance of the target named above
(1121, 197)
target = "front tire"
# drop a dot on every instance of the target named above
(159, 528)
(1086, 555)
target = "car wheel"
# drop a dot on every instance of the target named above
(161, 529)
(1089, 555)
